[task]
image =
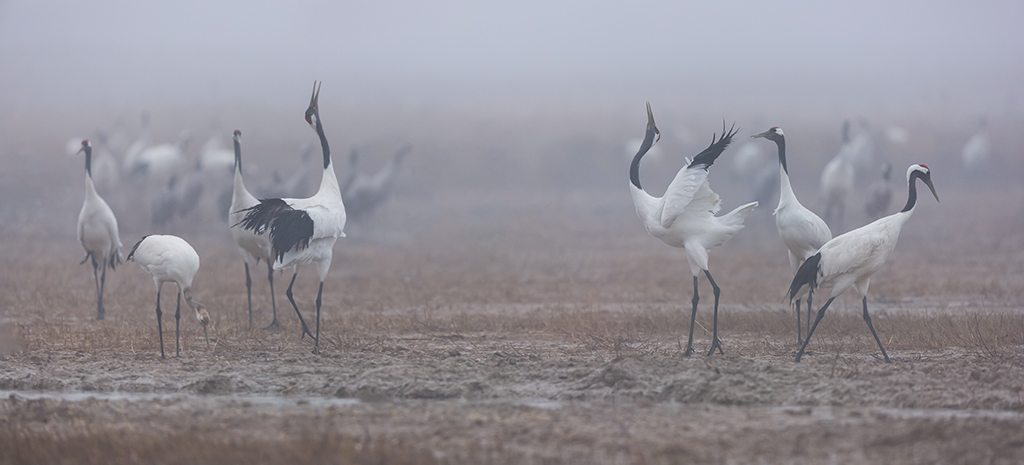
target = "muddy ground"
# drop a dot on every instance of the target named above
(526, 326)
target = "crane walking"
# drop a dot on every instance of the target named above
(97, 231)
(169, 259)
(852, 258)
(304, 230)
(802, 231)
(684, 216)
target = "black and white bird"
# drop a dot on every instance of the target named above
(304, 230)
(880, 194)
(802, 231)
(169, 259)
(365, 193)
(253, 247)
(684, 216)
(849, 260)
(97, 231)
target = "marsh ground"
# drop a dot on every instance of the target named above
(516, 325)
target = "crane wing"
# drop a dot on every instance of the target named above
(689, 191)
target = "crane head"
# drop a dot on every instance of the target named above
(925, 174)
(313, 112)
(652, 129)
(237, 136)
(86, 147)
(774, 134)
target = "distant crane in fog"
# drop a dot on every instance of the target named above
(364, 193)
(97, 231)
(169, 259)
(159, 160)
(180, 198)
(852, 258)
(253, 247)
(684, 216)
(837, 181)
(978, 149)
(304, 230)
(802, 231)
(880, 194)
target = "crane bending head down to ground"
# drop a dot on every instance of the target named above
(169, 259)
(304, 230)
(97, 231)
(802, 231)
(850, 259)
(684, 216)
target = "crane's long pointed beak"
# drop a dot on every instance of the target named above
(313, 98)
(650, 123)
(928, 182)
(763, 134)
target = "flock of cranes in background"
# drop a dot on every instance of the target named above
(287, 231)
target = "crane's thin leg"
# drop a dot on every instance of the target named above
(274, 325)
(96, 277)
(248, 292)
(809, 296)
(177, 319)
(715, 343)
(693, 318)
(305, 329)
(821, 314)
(101, 312)
(867, 319)
(799, 328)
(159, 325)
(316, 343)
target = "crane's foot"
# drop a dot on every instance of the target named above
(688, 352)
(305, 331)
(274, 326)
(716, 344)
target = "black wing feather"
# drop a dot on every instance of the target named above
(707, 157)
(289, 228)
(806, 275)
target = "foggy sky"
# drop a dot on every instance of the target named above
(80, 53)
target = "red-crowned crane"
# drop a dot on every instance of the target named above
(684, 216)
(97, 231)
(169, 259)
(849, 260)
(802, 231)
(304, 230)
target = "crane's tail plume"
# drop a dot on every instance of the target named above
(806, 278)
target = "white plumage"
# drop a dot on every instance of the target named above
(253, 247)
(684, 216)
(304, 230)
(169, 259)
(801, 230)
(97, 231)
(849, 260)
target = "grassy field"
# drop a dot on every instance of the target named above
(514, 324)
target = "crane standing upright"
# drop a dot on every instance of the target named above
(304, 230)
(97, 231)
(684, 216)
(802, 231)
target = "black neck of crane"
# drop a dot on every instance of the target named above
(634, 168)
(323, 142)
(88, 160)
(912, 196)
(781, 142)
(238, 155)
